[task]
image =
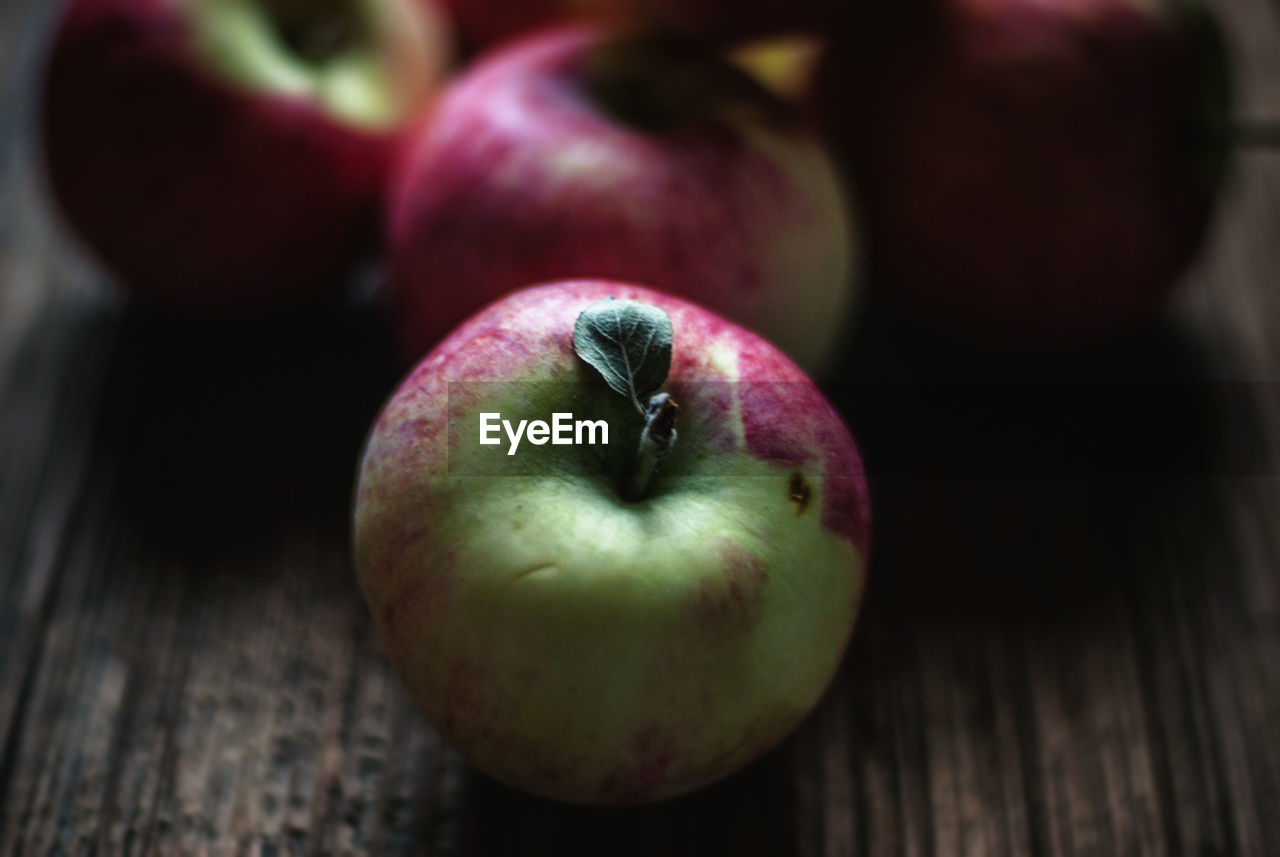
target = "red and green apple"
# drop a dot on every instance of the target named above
(230, 153)
(574, 622)
(570, 155)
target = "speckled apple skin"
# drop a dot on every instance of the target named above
(592, 650)
(519, 177)
(1030, 170)
(196, 193)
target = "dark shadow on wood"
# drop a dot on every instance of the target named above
(221, 432)
(1018, 483)
(750, 813)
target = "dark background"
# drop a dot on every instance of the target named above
(1070, 643)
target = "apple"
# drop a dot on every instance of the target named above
(1030, 170)
(572, 155)
(484, 23)
(587, 643)
(231, 153)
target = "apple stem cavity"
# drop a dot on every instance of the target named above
(658, 82)
(317, 31)
(629, 344)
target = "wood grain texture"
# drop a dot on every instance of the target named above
(1070, 645)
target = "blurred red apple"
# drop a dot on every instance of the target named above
(1029, 169)
(569, 156)
(218, 153)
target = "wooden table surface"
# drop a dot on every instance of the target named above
(1070, 644)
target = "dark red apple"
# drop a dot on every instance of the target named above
(1030, 169)
(568, 155)
(224, 153)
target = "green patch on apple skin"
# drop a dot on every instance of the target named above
(575, 621)
(612, 614)
(246, 43)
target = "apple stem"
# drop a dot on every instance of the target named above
(656, 440)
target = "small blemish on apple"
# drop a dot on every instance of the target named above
(733, 600)
(465, 701)
(650, 753)
(540, 567)
(798, 491)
